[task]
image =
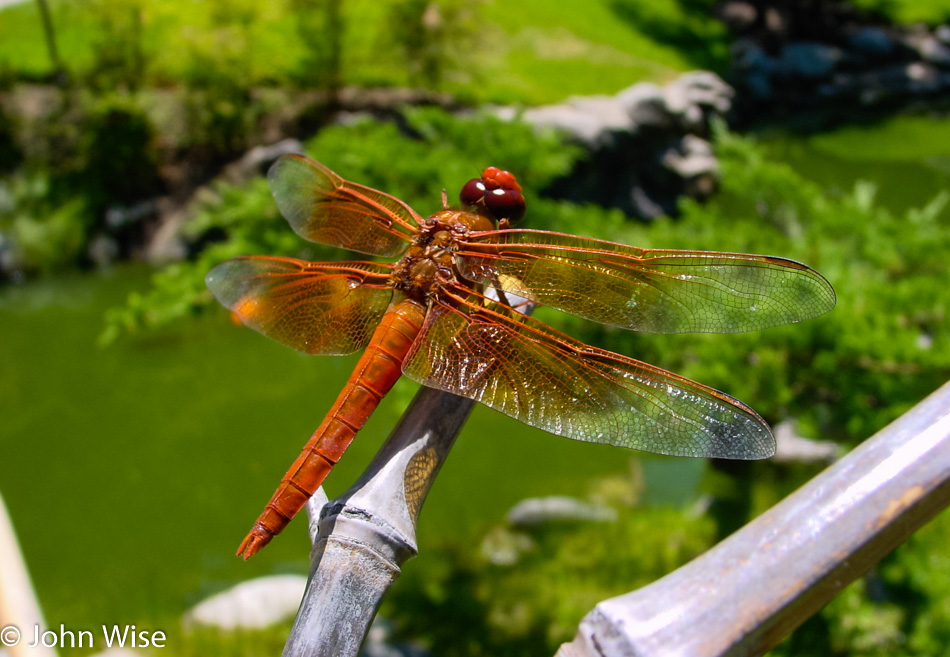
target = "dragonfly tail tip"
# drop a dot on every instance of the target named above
(254, 542)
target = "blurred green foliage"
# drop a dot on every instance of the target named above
(118, 48)
(689, 25)
(522, 591)
(932, 12)
(117, 158)
(531, 51)
(39, 235)
(436, 39)
(91, 152)
(10, 153)
(321, 62)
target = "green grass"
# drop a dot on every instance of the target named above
(531, 51)
(22, 46)
(903, 138)
(932, 12)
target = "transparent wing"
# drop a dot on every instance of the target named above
(649, 290)
(322, 207)
(550, 381)
(316, 308)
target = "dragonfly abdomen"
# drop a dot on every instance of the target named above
(375, 374)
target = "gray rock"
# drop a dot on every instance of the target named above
(504, 547)
(645, 105)
(871, 41)
(922, 78)
(643, 204)
(692, 157)
(590, 120)
(808, 60)
(254, 604)
(703, 88)
(738, 16)
(930, 49)
(629, 135)
(102, 250)
(254, 161)
(793, 448)
(537, 511)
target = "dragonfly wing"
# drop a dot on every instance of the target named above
(651, 290)
(322, 207)
(316, 308)
(550, 381)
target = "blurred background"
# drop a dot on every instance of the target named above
(142, 431)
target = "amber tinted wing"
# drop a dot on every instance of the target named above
(552, 382)
(316, 308)
(322, 207)
(647, 289)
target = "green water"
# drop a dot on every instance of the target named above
(131, 473)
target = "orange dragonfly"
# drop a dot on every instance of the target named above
(442, 315)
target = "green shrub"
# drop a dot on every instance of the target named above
(10, 152)
(465, 603)
(119, 60)
(437, 40)
(39, 235)
(118, 154)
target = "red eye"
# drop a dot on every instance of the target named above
(496, 194)
(505, 204)
(473, 192)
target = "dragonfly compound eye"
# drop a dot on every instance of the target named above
(473, 192)
(497, 193)
(505, 204)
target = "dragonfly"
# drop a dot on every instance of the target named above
(446, 314)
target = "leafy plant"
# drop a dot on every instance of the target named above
(118, 154)
(118, 52)
(37, 235)
(437, 38)
(531, 604)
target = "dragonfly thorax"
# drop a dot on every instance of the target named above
(430, 262)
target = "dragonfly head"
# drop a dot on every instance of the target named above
(496, 194)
